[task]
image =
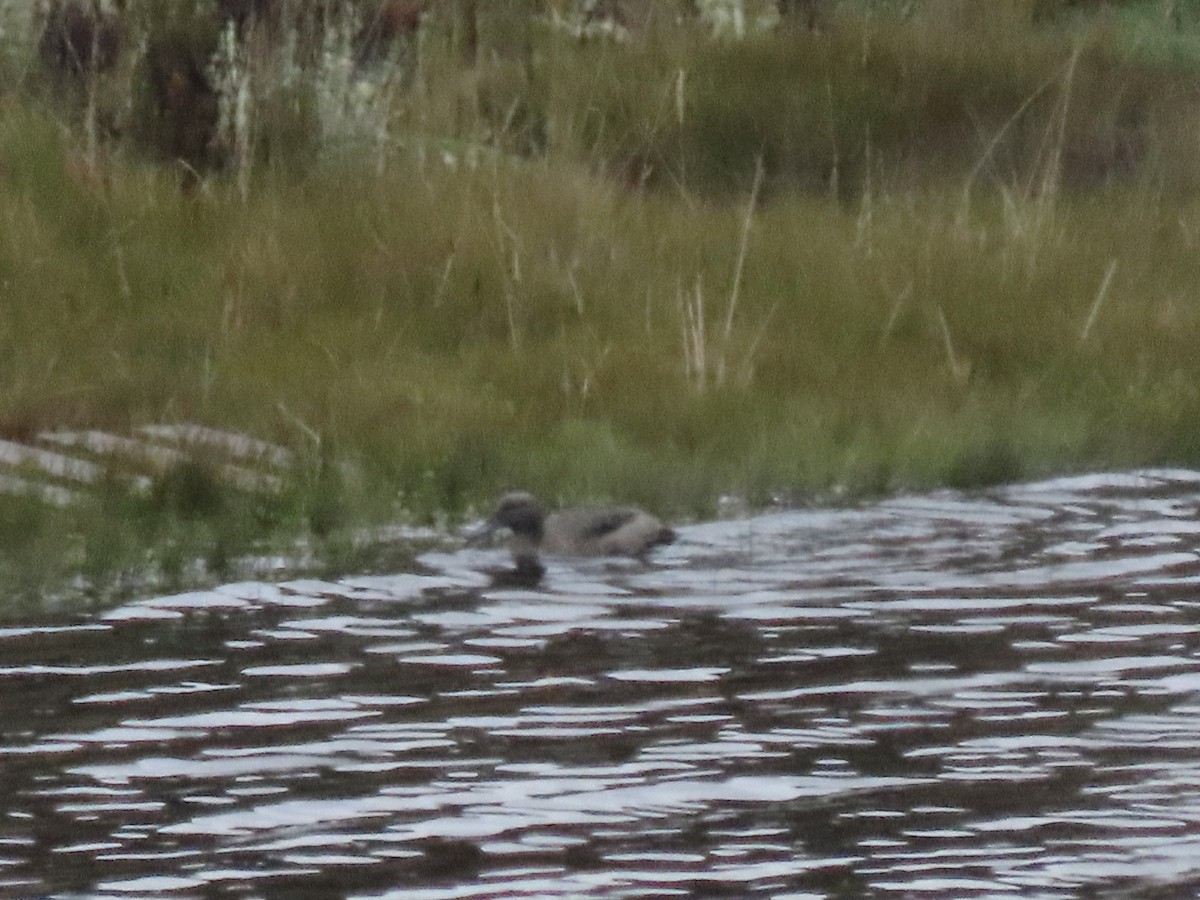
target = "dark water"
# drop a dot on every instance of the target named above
(938, 696)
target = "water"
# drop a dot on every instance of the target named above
(935, 697)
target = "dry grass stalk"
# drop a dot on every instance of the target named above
(1101, 293)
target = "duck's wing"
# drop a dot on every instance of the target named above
(596, 524)
(605, 531)
(586, 531)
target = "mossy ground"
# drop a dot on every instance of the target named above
(895, 254)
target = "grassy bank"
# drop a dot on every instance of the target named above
(804, 265)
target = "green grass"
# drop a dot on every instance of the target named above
(968, 263)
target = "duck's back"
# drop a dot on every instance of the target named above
(604, 531)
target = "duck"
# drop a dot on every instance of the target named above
(583, 531)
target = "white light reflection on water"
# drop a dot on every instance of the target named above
(941, 696)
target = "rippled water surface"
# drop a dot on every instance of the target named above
(942, 696)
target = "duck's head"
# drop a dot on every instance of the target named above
(521, 514)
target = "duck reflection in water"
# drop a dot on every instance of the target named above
(584, 531)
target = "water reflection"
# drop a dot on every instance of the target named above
(940, 696)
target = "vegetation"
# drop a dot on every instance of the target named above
(923, 245)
